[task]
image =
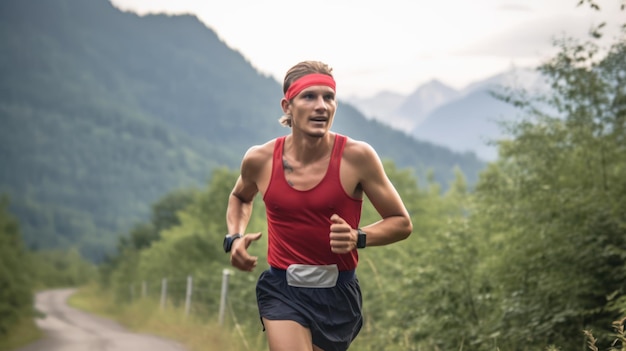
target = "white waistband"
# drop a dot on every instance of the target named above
(311, 276)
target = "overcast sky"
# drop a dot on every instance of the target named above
(393, 45)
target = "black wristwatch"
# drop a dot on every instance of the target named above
(361, 239)
(229, 239)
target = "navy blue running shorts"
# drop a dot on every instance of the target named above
(332, 314)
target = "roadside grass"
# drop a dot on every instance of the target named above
(22, 333)
(146, 316)
(620, 337)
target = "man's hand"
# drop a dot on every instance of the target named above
(342, 236)
(239, 256)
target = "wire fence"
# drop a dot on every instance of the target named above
(229, 298)
(192, 295)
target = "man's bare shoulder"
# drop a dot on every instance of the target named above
(258, 155)
(359, 151)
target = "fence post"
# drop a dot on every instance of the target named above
(132, 292)
(163, 292)
(188, 297)
(225, 274)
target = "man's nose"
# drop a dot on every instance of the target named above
(320, 102)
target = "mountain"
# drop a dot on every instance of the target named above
(464, 121)
(405, 112)
(103, 112)
(526, 78)
(467, 124)
(472, 123)
(423, 100)
(379, 106)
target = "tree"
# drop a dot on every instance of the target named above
(16, 296)
(556, 201)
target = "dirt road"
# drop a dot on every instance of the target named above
(68, 329)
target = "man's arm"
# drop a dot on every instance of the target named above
(395, 224)
(239, 211)
(239, 206)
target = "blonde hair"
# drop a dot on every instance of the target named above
(298, 71)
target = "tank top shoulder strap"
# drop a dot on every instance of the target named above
(340, 143)
(278, 154)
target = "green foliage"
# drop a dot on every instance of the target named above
(165, 215)
(16, 296)
(22, 272)
(537, 254)
(189, 246)
(555, 203)
(60, 268)
(20, 334)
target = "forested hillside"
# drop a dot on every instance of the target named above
(103, 112)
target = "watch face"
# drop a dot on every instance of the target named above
(226, 244)
(361, 240)
(228, 241)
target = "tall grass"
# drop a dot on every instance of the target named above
(619, 343)
(22, 333)
(146, 316)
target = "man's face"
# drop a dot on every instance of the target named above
(313, 110)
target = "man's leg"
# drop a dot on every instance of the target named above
(285, 335)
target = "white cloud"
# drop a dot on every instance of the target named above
(534, 38)
(514, 7)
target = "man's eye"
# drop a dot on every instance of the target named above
(308, 96)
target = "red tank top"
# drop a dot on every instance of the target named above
(299, 221)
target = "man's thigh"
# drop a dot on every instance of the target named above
(285, 335)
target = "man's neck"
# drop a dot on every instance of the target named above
(308, 149)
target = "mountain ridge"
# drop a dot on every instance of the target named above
(464, 120)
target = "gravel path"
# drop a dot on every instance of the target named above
(69, 329)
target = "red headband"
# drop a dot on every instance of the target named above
(307, 81)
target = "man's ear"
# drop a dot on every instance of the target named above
(284, 104)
